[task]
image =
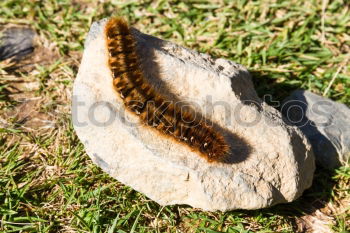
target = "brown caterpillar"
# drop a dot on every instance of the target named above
(153, 109)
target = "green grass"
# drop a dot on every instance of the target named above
(48, 183)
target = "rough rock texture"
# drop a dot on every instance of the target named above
(271, 162)
(324, 122)
(16, 43)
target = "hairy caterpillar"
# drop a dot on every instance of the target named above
(153, 109)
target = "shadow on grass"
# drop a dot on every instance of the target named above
(265, 85)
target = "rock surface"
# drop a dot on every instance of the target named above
(16, 43)
(270, 161)
(324, 122)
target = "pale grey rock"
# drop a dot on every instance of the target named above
(270, 162)
(324, 122)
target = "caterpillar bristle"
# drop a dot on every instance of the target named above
(152, 108)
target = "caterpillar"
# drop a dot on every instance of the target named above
(152, 108)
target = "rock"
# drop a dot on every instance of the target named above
(271, 162)
(324, 122)
(16, 43)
